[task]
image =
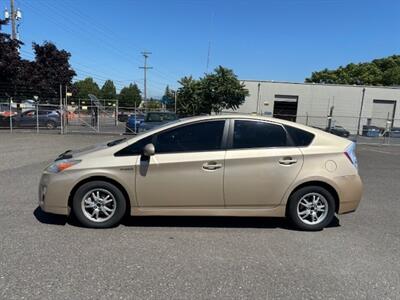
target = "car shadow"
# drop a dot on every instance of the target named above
(47, 218)
(183, 221)
(214, 222)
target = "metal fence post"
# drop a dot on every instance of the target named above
(116, 112)
(61, 111)
(37, 116)
(79, 108)
(11, 123)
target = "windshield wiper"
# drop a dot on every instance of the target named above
(116, 142)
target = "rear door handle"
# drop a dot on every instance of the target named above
(212, 165)
(286, 161)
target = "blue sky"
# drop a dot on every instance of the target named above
(282, 40)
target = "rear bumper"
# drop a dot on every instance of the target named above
(349, 189)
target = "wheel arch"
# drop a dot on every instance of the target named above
(319, 183)
(101, 178)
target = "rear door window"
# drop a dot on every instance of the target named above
(249, 134)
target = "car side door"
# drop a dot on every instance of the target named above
(27, 119)
(187, 168)
(260, 164)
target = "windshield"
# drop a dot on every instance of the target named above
(157, 127)
(160, 117)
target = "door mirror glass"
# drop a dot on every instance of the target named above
(149, 150)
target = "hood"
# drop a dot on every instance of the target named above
(89, 149)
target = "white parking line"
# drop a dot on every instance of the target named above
(379, 151)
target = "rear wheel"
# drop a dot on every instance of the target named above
(311, 208)
(99, 204)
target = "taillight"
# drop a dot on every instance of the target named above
(350, 153)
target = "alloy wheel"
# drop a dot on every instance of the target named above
(98, 205)
(312, 208)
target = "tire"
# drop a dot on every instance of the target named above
(110, 206)
(314, 216)
(50, 125)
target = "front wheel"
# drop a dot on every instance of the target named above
(51, 125)
(99, 204)
(311, 208)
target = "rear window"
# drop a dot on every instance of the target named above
(300, 137)
(160, 117)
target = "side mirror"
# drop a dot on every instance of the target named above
(149, 150)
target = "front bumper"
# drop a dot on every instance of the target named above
(54, 191)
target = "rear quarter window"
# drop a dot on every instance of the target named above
(301, 138)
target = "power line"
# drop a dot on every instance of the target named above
(97, 27)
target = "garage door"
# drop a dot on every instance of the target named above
(382, 111)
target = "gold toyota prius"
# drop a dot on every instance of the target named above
(208, 166)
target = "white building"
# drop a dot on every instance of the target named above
(310, 103)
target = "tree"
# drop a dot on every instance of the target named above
(51, 68)
(42, 77)
(108, 90)
(130, 96)
(213, 93)
(222, 90)
(10, 66)
(168, 99)
(83, 88)
(189, 101)
(383, 71)
(152, 104)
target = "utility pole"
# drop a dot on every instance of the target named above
(13, 19)
(145, 68)
(361, 109)
(13, 16)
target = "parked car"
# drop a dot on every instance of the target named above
(223, 165)
(371, 131)
(4, 121)
(123, 116)
(394, 132)
(46, 118)
(338, 130)
(5, 110)
(28, 104)
(133, 122)
(156, 119)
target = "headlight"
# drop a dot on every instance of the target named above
(61, 165)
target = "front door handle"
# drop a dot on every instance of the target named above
(287, 161)
(212, 165)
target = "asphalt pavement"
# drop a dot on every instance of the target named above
(49, 257)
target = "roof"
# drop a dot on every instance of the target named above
(323, 84)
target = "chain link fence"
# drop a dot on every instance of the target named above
(105, 116)
(97, 116)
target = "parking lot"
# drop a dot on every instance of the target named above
(46, 256)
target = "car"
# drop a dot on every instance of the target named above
(4, 121)
(338, 130)
(156, 119)
(394, 132)
(48, 118)
(5, 110)
(133, 122)
(222, 165)
(371, 131)
(123, 116)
